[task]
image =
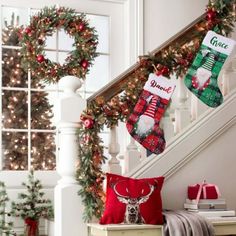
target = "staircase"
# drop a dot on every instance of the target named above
(200, 140)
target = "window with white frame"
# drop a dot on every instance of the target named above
(28, 112)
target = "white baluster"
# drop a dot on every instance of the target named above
(232, 74)
(182, 112)
(68, 205)
(197, 107)
(114, 149)
(225, 82)
(132, 156)
(167, 125)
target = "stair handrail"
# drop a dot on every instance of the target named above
(116, 85)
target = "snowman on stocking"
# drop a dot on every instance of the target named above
(143, 123)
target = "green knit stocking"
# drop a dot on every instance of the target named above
(202, 76)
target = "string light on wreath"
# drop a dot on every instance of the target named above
(43, 25)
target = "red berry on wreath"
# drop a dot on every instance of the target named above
(84, 64)
(88, 123)
(40, 58)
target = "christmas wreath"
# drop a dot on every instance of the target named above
(44, 24)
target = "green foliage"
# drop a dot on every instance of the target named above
(32, 203)
(5, 226)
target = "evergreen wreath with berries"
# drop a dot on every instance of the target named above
(44, 24)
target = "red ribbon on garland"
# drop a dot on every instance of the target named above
(33, 226)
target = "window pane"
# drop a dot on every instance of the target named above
(14, 109)
(51, 41)
(62, 56)
(15, 150)
(65, 41)
(99, 74)
(43, 150)
(12, 73)
(52, 56)
(42, 115)
(101, 24)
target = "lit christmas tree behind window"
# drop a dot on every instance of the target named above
(21, 137)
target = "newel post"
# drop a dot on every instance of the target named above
(68, 206)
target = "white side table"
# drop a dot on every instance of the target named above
(124, 230)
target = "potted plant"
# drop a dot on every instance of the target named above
(32, 206)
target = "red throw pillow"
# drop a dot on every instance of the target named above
(133, 201)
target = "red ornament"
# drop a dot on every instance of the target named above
(211, 15)
(88, 123)
(28, 31)
(163, 71)
(80, 27)
(40, 58)
(84, 64)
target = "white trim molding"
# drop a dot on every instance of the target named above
(134, 26)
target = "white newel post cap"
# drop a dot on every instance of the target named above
(71, 103)
(69, 84)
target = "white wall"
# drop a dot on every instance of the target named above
(164, 18)
(216, 163)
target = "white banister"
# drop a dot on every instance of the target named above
(68, 205)
(197, 107)
(114, 149)
(132, 156)
(167, 125)
(182, 112)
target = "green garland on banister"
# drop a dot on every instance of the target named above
(220, 16)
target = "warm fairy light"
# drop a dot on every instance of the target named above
(15, 99)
